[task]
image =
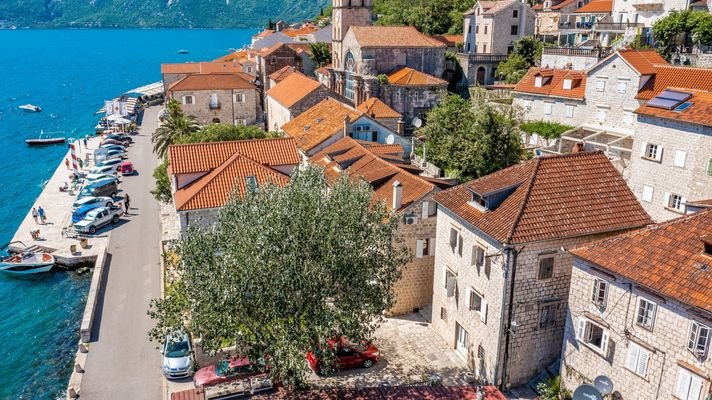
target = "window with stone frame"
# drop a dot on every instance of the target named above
(188, 99)
(688, 385)
(514, 30)
(652, 151)
(675, 202)
(698, 339)
(645, 316)
(475, 301)
(515, 13)
(637, 359)
(547, 315)
(350, 67)
(546, 267)
(478, 257)
(456, 240)
(599, 294)
(593, 336)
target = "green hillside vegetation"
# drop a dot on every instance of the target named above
(155, 13)
(433, 17)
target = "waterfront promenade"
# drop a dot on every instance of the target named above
(122, 363)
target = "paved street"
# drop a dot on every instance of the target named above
(122, 363)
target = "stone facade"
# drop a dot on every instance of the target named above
(549, 14)
(205, 217)
(534, 109)
(234, 106)
(412, 101)
(278, 115)
(683, 169)
(345, 14)
(277, 59)
(665, 343)
(495, 33)
(480, 69)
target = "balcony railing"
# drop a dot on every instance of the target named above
(616, 26)
(214, 106)
(576, 25)
(486, 57)
(578, 52)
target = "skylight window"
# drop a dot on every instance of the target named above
(669, 99)
(684, 106)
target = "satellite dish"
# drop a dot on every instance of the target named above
(417, 122)
(587, 392)
(604, 384)
(390, 139)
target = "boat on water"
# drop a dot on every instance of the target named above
(42, 141)
(30, 108)
(183, 52)
(27, 263)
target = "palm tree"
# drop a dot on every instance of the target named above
(175, 125)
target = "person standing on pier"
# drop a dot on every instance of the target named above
(66, 162)
(85, 140)
(41, 213)
(34, 214)
(126, 203)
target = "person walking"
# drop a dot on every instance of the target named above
(34, 214)
(85, 141)
(66, 162)
(81, 163)
(41, 213)
(127, 201)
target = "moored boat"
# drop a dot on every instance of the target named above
(41, 141)
(30, 107)
(27, 263)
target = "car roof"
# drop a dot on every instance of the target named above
(101, 182)
(95, 211)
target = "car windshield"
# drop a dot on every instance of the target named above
(177, 349)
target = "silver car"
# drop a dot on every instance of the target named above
(178, 356)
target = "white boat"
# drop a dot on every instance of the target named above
(30, 107)
(27, 263)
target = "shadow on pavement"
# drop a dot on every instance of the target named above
(99, 312)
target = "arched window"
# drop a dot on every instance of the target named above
(350, 67)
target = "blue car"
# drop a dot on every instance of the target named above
(80, 213)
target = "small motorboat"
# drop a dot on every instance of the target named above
(30, 108)
(41, 141)
(183, 52)
(27, 263)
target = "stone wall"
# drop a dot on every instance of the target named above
(228, 111)
(204, 217)
(690, 180)
(412, 101)
(278, 59)
(533, 107)
(666, 342)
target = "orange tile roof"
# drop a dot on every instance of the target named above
(356, 160)
(214, 189)
(407, 76)
(304, 30)
(212, 82)
(292, 89)
(204, 157)
(491, 7)
(378, 109)
(558, 6)
(449, 40)
(324, 70)
(667, 258)
(234, 56)
(300, 47)
(207, 67)
(699, 113)
(381, 149)
(392, 36)
(553, 197)
(314, 126)
(282, 73)
(597, 6)
(264, 33)
(553, 84)
(642, 60)
(671, 76)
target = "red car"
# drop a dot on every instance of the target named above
(235, 368)
(348, 355)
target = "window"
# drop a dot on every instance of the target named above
(547, 108)
(538, 81)
(469, 29)
(628, 117)
(601, 114)
(570, 110)
(484, 45)
(652, 152)
(424, 247)
(546, 315)
(214, 101)
(647, 194)
(622, 86)
(463, 340)
(249, 69)
(251, 182)
(646, 313)
(239, 98)
(601, 85)
(428, 209)
(478, 257)
(188, 99)
(688, 386)
(350, 66)
(449, 281)
(476, 302)
(675, 202)
(600, 293)
(546, 267)
(514, 30)
(443, 314)
(477, 29)
(709, 167)
(568, 83)
(456, 240)
(680, 157)
(515, 13)
(699, 339)
(273, 60)
(593, 336)
(637, 360)
(527, 104)
(485, 29)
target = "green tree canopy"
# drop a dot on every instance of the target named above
(469, 142)
(174, 125)
(696, 25)
(320, 54)
(285, 270)
(545, 129)
(429, 16)
(527, 52)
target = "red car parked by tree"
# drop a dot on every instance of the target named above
(348, 355)
(236, 368)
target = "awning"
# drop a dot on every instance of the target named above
(130, 105)
(146, 90)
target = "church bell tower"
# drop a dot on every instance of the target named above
(345, 14)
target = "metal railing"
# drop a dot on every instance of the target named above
(616, 26)
(575, 51)
(214, 106)
(486, 57)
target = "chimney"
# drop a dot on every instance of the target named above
(397, 196)
(347, 126)
(400, 127)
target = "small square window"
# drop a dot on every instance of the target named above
(478, 257)
(514, 30)
(547, 108)
(601, 85)
(600, 293)
(675, 202)
(699, 339)
(515, 13)
(647, 194)
(547, 315)
(546, 268)
(651, 151)
(475, 301)
(570, 110)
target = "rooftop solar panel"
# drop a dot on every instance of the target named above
(684, 106)
(674, 95)
(668, 99)
(658, 102)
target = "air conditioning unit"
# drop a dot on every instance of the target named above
(410, 220)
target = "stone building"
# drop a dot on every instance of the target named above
(291, 97)
(553, 95)
(502, 270)
(548, 16)
(413, 93)
(203, 175)
(640, 312)
(384, 114)
(272, 59)
(405, 194)
(172, 73)
(218, 98)
(278, 76)
(672, 147)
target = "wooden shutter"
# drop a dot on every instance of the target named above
(709, 167)
(659, 153)
(483, 311)
(633, 354)
(643, 148)
(604, 343)
(451, 286)
(680, 157)
(683, 384)
(419, 248)
(580, 329)
(666, 199)
(642, 366)
(695, 387)
(445, 277)
(469, 299)
(459, 244)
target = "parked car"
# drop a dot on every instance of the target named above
(95, 202)
(91, 178)
(98, 158)
(104, 187)
(120, 137)
(178, 356)
(113, 146)
(112, 142)
(114, 161)
(235, 368)
(126, 168)
(98, 218)
(348, 355)
(105, 169)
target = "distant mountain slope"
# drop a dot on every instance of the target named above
(155, 13)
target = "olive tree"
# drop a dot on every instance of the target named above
(286, 269)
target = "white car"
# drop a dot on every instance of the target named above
(97, 218)
(178, 356)
(106, 169)
(113, 161)
(95, 177)
(94, 202)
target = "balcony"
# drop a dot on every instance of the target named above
(214, 105)
(616, 26)
(576, 26)
(484, 58)
(577, 52)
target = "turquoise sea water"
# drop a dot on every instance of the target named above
(68, 73)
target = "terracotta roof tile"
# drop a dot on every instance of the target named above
(207, 67)
(350, 156)
(449, 40)
(553, 84)
(211, 82)
(699, 113)
(383, 149)
(557, 6)
(234, 56)
(667, 257)
(671, 76)
(264, 33)
(407, 76)
(324, 70)
(214, 189)
(642, 60)
(304, 30)
(559, 196)
(597, 6)
(282, 73)
(292, 89)
(491, 7)
(301, 47)
(204, 157)
(392, 36)
(319, 123)
(378, 109)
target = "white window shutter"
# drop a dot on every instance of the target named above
(604, 343)
(419, 248)
(483, 312)
(633, 353)
(431, 247)
(683, 384)
(647, 193)
(643, 148)
(642, 367)
(683, 202)
(659, 154)
(469, 298)
(666, 199)
(445, 277)
(580, 329)
(433, 208)
(451, 286)
(425, 209)
(680, 157)
(695, 387)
